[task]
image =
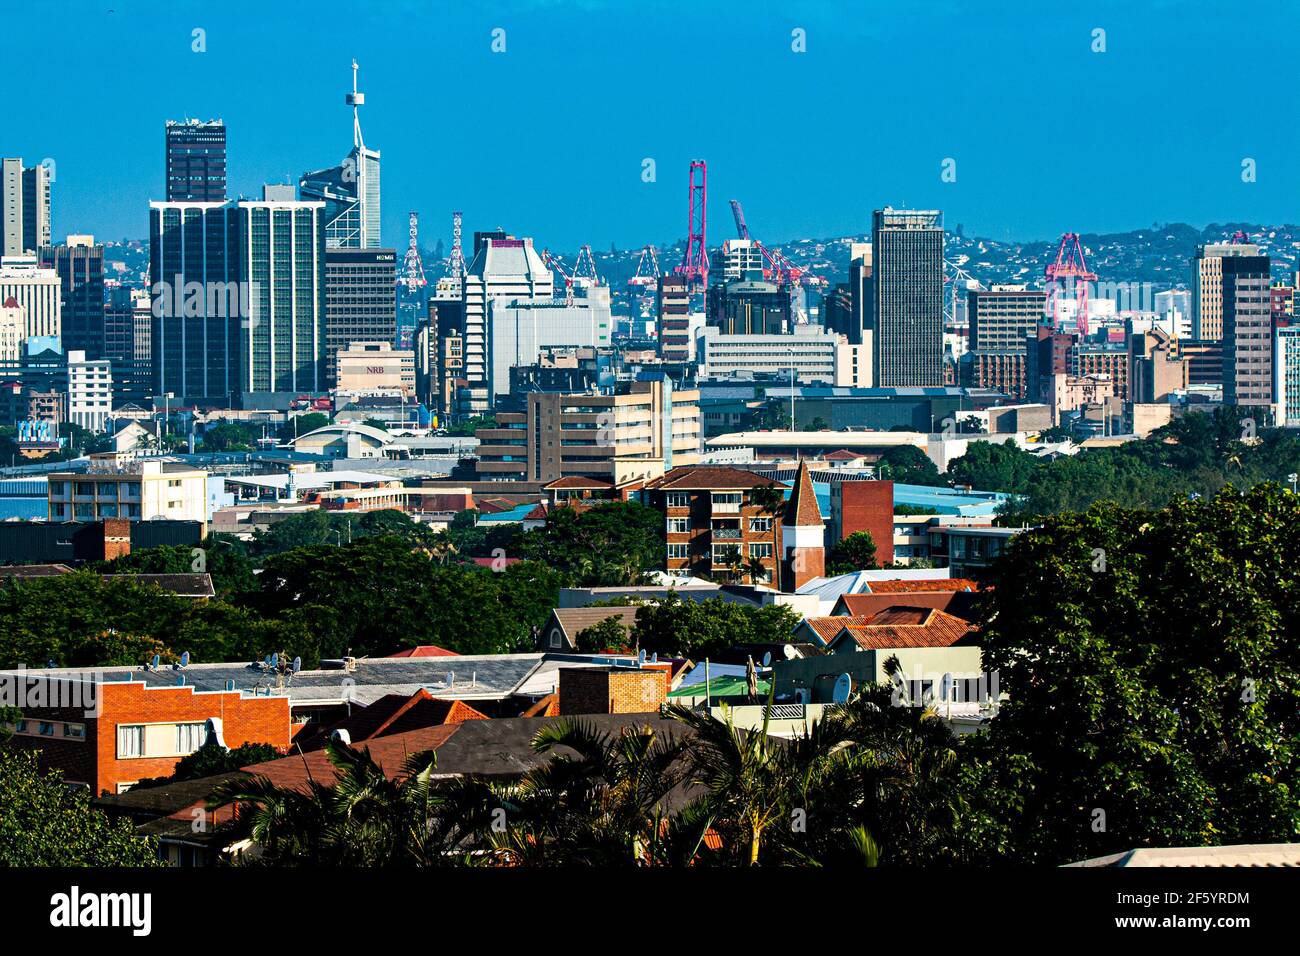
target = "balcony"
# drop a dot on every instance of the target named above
(726, 534)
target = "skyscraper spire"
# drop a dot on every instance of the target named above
(355, 100)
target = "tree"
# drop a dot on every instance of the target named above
(363, 818)
(993, 467)
(229, 436)
(908, 465)
(611, 544)
(611, 634)
(45, 822)
(857, 552)
(301, 425)
(677, 628)
(210, 760)
(1151, 664)
(770, 500)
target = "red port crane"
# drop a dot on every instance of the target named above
(1069, 264)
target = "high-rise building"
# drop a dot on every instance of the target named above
(196, 161)
(907, 272)
(238, 302)
(1286, 374)
(674, 307)
(749, 307)
(360, 301)
(1001, 319)
(126, 343)
(518, 331)
(736, 259)
(350, 190)
(1207, 286)
(1247, 330)
(80, 265)
(24, 208)
(506, 269)
(35, 290)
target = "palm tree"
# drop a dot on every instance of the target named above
(365, 818)
(743, 774)
(757, 570)
(733, 560)
(601, 805)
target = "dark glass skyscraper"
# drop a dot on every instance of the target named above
(907, 269)
(196, 161)
(80, 265)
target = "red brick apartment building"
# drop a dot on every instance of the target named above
(709, 509)
(135, 731)
(865, 506)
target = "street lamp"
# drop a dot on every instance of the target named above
(1293, 477)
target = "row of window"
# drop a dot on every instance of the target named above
(683, 525)
(159, 740)
(50, 728)
(757, 549)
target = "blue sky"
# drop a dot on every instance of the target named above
(547, 139)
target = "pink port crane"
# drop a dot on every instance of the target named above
(1069, 264)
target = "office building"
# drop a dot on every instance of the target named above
(1001, 320)
(749, 307)
(349, 191)
(240, 305)
(376, 368)
(1207, 286)
(1156, 369)
(640, 431)
(737, 259)
(811, 354)
(360, 301)
(90, 391)
(505, 269)
(196, 161)
(1247, 330)
(1286, 375)
(80, 266)
(907, 274)
(519, 331)
(35, 290)
(24, 208)
(127, 342)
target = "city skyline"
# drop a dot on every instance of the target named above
(442, 107)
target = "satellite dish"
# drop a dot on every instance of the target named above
(297, 664)
(157, 659)
(185, 659)
(641, 657)
(267, 662)
(654, 658)
(275, 660)
(843, 687)
(789, 652)
(767, 659)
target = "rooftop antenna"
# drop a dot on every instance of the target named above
(355, 100)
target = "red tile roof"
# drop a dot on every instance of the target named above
(548, 706)
(709, 477)
(922, 587)
(828, 628)
(908, 627)
(959, 603)
(576, 481)
(399, 713)
(842, 455)
(389, 752)
(495, 562)
(427, 650)
(801, 511)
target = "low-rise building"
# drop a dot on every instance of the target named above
(139, 491)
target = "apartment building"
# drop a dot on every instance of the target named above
(139, 491)
(90, 391)
(638, 432)
(710, 516)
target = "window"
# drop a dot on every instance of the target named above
(678, 499)
(760, 550)
(77, 731)
(760, 525)
(679, 525)
(45, 728)
(130, 740)
(678, 551)
(189, 737)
